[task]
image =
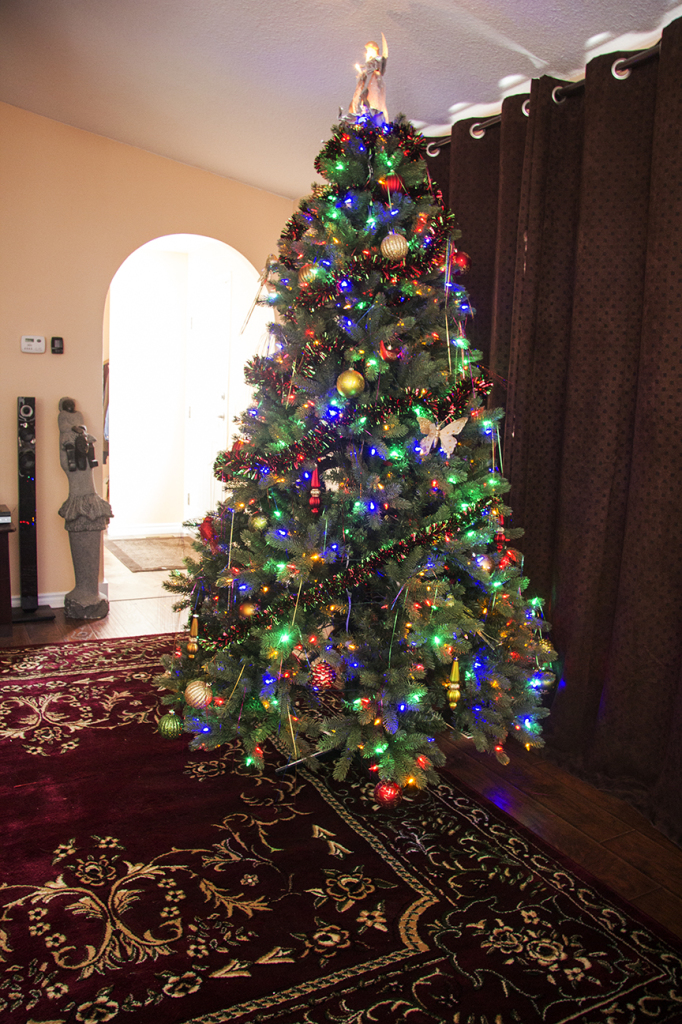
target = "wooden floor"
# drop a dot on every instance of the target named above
(614, 842)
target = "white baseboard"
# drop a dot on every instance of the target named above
(135, 530)
(53, 600)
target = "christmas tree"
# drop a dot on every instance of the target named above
(356, 591)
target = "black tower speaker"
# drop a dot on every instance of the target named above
(28, 551)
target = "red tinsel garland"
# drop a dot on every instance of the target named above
(323, 438)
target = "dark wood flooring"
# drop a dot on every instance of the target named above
(608, 837)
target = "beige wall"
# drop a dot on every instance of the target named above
(73, 206)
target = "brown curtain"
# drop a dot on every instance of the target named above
(573, 220)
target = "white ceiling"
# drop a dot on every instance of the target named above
(249, 88)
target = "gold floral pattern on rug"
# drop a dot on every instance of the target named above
(48, 718)
(103, 914)
(98, 884)
(79, 657)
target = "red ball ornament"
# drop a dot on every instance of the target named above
(388, 794)
(461, 260)
(392, 183)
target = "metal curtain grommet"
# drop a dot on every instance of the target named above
(477, 131)
(433, 149)
(619, 72)
(557, 94)
(525, 108)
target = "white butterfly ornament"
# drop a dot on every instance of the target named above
(446, 433)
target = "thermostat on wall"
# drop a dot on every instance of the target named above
(32, 343)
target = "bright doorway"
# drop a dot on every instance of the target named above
(176, 349)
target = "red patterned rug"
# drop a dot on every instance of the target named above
(144, 884)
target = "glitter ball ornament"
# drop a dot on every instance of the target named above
(170, 726)
(350, 383)
(247, 609)
(307, 274)
(259, 522)
(394, 247)
(388, 794)
(323, 675)
(198, 694)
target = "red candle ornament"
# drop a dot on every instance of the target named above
(315, 493)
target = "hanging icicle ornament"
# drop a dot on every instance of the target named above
(394, 247)
(350, 383)
(314, 500)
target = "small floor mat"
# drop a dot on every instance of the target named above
(151, 554)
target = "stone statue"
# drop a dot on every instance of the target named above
(85, 514)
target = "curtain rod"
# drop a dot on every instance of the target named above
(619, 69)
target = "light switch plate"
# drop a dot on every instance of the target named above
(32, 343)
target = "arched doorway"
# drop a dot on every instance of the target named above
(176, 348)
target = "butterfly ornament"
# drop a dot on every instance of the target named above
(446, 433)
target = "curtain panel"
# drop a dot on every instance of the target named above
(572, 217)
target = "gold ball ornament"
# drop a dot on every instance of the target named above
(198, 694)
(394, 247)
(307, 274)
(350, 383)
(259, 522)
(170, 726)
(247, 609)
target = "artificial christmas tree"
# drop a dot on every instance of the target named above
(356, 591)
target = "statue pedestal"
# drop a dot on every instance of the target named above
(85, 600)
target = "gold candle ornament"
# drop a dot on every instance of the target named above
(192, 645)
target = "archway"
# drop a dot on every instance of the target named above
(177, 348)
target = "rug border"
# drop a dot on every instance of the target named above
(567, 862)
